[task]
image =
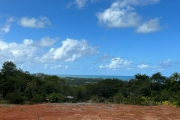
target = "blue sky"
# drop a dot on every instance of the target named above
(91, 37)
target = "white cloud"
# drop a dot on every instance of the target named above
(162, 65)
(166, 64)
(23, 52)
(122, 14)
(143, 66)
(40, 22)
(6, 27)
(60, 66)
(124, 3)
(10, 20)
(80, 3)
(149, 26)
(28, 42)
(16, 52)
(117, 63)
(117, 17)
(47, 41)
(43, 42)
(69, 51)
(55, 66)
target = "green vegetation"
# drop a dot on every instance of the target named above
(19, 87)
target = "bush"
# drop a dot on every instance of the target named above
(97, 99)
(118, 98)
(37, 99)
(55, 97)
(175, 104)
(135, 100)
(15, 98)
(147, 101)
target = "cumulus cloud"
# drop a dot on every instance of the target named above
(16, 52)
(25, 51)
(43, 42)
(47, 41)
(69, 51)
(28, 41)
(40, 22)
(143, 66)
(117, 63)
(122, 14)
(117, 17)
(6, 27)
(32, 51)
(149, 26)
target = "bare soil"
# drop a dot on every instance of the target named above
(87, 111)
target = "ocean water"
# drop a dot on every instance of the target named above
(98, 76)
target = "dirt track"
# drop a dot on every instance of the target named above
(85, 111)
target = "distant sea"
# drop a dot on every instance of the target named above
(98, 76)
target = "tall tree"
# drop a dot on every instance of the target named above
(175, 76)
(158, 78)
(8, 68)
(141, 76)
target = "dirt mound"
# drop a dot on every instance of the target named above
(85, 111)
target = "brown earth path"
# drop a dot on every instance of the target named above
(87, 111)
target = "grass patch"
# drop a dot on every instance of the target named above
(3, 102)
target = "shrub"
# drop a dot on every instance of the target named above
(37, 99)
(15, 98)
(174, 103)
(135, 100)
(55, 97)
(118, 98)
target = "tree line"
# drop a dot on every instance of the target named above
(21, 87)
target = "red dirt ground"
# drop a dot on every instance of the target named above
(87, 111)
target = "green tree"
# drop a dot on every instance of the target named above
(158, 78)
(175, 76)
(8, 68)
(141, 77)
(31, 89)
